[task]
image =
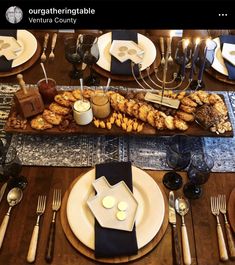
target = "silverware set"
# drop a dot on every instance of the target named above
(218, 205)
(181, 205)
(45, 43)
(41, 206)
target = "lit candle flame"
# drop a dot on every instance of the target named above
(197, 41)
(186, 43)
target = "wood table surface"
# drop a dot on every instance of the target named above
(59, 68)
(201, 224)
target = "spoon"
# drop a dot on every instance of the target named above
(14, 196)
(182, 207)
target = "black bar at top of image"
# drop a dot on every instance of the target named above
(124, 14)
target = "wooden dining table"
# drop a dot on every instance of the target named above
(201, 224)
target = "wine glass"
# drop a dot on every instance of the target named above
(73, 56)
(198, 174)
(178, 157)
(89, 53)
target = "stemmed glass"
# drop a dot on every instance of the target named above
(89, 53)
(10, 168)
(198, 174)
(73, 56)
(178, 157)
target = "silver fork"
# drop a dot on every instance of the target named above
(162, 51)
(170, 59)
(34, 239)
(215, 211)
(56, 203)
(231, 245)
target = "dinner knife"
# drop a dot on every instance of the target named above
(175, 239)
(2, 190)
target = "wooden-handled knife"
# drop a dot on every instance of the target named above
(175, 239)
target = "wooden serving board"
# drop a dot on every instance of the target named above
(90, 129)
(89, 253)
(25, 65)
(231, 210)
(194, 130)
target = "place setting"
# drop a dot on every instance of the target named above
(119, 48)
(19, 50)
(115, 225)
(221, 59)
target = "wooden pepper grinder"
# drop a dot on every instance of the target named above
(28, 102)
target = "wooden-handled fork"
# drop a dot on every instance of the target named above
(53, 43)
(43, 56)
(56, 203)
(34, 239)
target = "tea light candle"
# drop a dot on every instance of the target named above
(200, 74)
(194, 57)
(185, 44)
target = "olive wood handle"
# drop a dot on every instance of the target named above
(175, 246)
(222, 247)
(3, 228)
(33, 245)
(46, 37)
(185, 246)
(162, 45)
(231, 244)
(50, 243)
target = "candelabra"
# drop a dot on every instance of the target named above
(186, 56)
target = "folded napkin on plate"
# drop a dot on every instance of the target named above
(231, 68)
(116, 66)
(5, 65)
(111, 242)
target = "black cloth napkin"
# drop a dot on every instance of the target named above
(111, 242)
(5, 65)
(116, 66)
(231, 68)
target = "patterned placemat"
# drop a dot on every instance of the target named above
(85, 151)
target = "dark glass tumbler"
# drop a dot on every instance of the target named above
(198, 174)
(178, 157)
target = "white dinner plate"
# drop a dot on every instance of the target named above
(104, 44)
(29, 46)
(150, 212)
(218, 63)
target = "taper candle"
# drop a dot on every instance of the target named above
(194, 57)
(185, 44)
(202, 67)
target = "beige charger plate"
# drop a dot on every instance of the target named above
(88, 252)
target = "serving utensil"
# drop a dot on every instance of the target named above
(34, 239)
(182, 207)
(13, 198)
(162, 50)
(170, 59)
(223, 210)
(56, 203)
(215, 211)
(53, 43)
(172, 221)
(43, 56)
